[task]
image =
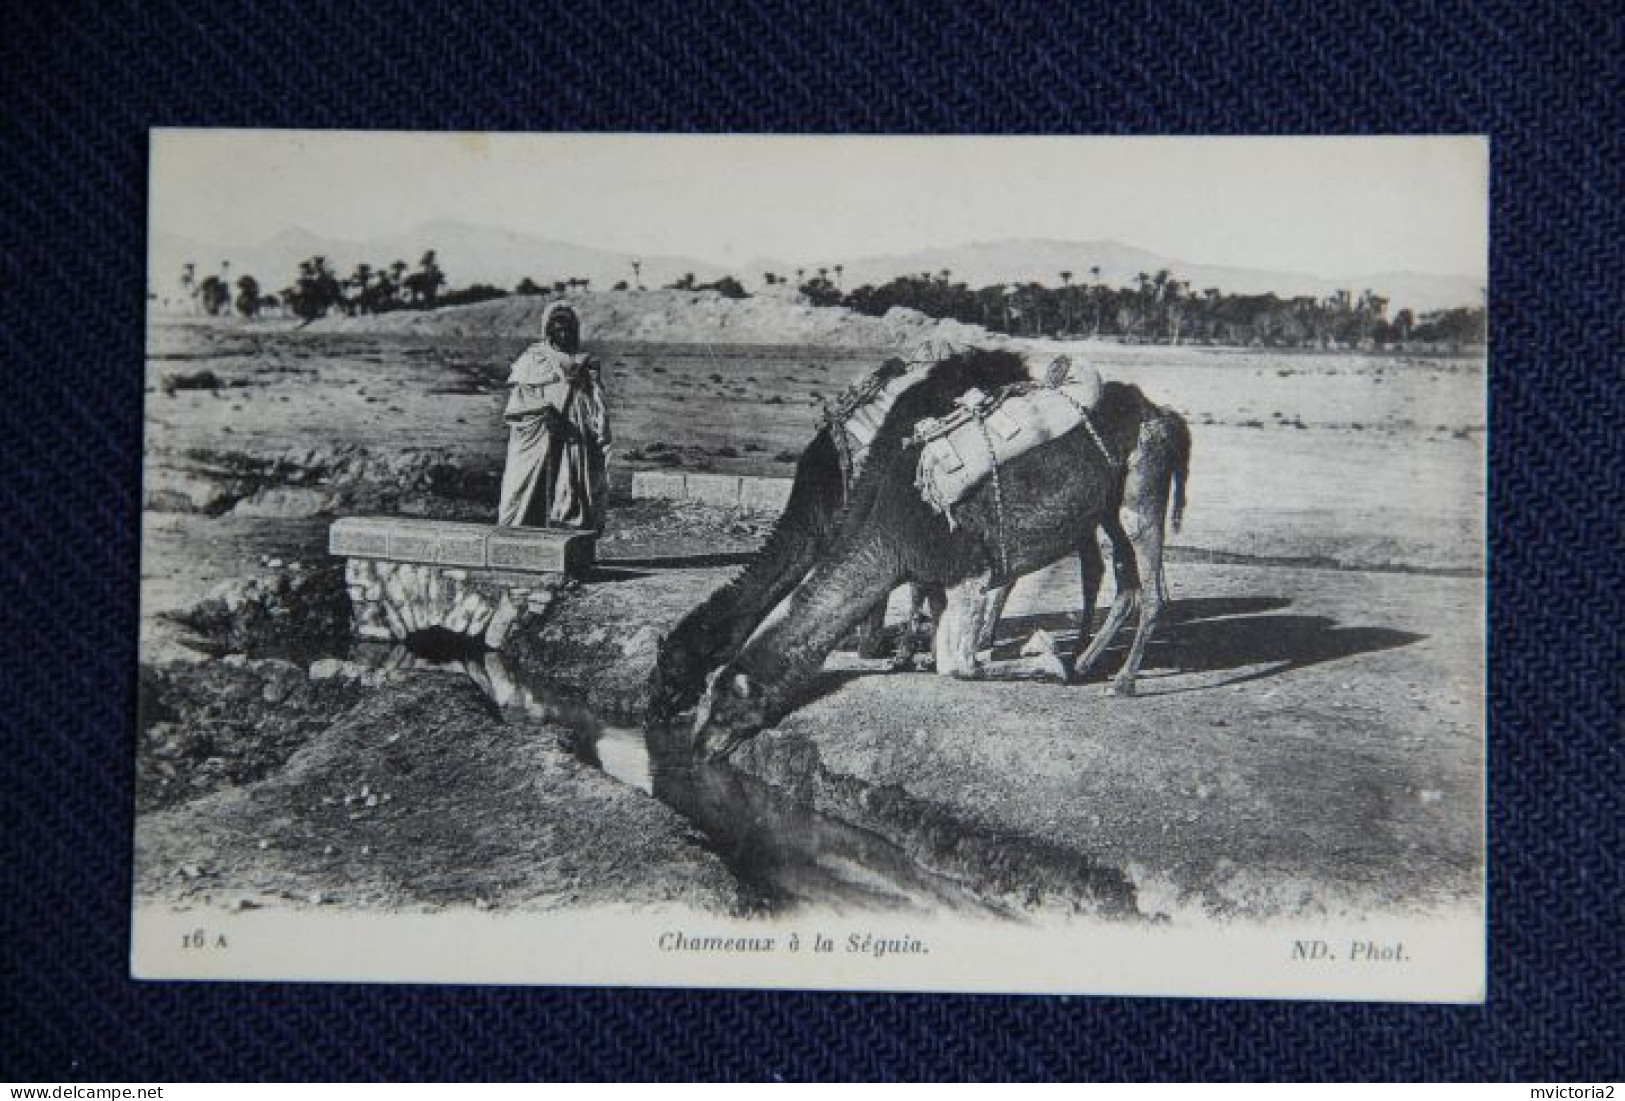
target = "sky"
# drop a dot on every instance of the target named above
(1324, 206)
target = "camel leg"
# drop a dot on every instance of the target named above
(1145, 532)
(1145, 504)
(958, 628)
(935, 599)
(871, 632)
(1125, 571)
(1091, 570)
(913, 623)
(992, 612)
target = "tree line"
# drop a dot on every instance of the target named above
(317, 289)
(1156, 307)
(1159, 308)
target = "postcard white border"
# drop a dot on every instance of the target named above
(1440, 958)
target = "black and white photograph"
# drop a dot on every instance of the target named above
(1025, 565)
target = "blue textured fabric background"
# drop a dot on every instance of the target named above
(83, 83)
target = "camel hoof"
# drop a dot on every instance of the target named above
(1123, 688)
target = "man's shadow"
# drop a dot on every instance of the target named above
(1194, 635)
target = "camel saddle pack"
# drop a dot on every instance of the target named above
(855, 416)
(960, 451)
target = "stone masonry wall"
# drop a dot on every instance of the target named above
(393, 600)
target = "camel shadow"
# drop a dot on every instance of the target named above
(1198, 635)
(1220, 634)
(1013, 631)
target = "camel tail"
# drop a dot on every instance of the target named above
(1180, 438)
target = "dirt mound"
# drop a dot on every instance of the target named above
(227, 723)
(422, 797)
(284, 614)
(677, 317)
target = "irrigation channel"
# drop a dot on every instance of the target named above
(785, 854)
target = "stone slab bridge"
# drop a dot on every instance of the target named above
(407, 577)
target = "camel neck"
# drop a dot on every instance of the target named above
(786, 655)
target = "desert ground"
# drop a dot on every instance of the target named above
(1307, 741)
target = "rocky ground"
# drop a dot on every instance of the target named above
(420, 796)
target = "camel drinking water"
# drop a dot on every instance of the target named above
(1042, 505)
(828, 491)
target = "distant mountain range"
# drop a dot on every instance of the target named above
(479, 254)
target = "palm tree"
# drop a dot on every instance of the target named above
(361, 280)
(248, 296)
(637, 274)
(1175, 311)
(1094, 278)
(839, 268)
(1146, 290)
(1066, 301)
(430, 278)
(189, 282)
(397, 274)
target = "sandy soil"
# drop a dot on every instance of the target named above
(1305, 743)
(1308, 741)
(1357, 460)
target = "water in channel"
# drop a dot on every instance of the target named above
(786, 854)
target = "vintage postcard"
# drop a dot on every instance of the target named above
(966, 564)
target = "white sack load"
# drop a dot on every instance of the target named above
(960, 450)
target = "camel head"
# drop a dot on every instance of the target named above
(732, 710)
(674, 682)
